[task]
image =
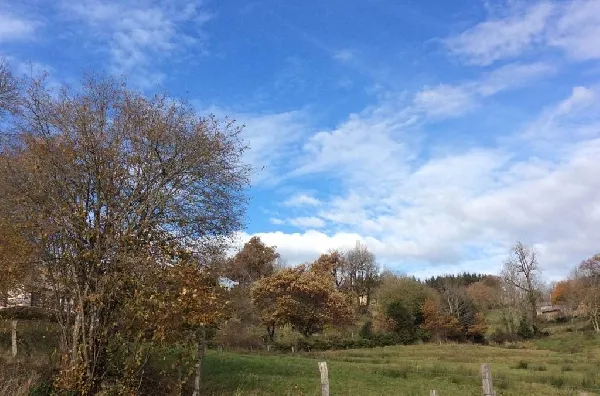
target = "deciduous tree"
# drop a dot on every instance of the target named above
(521, 271)
(305, 298)
(254, 261)
(362, 274)
(102, 179)
(588, 282)
(441, 324)
(9, 90)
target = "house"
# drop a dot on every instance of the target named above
(550, 311)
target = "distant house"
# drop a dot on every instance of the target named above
(550, 311)
(40, 298)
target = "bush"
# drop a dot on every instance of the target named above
(27, 313)
(403, 319)
(335, 343)
(151, 369)
(237, 335)
(525, 329)
(366, 331)
(523, 365)
(500, 336)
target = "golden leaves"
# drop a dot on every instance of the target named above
(305, 299)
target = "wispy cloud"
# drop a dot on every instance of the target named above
(435, 213)
(502, 38)
(444, 100)
(447, 100)
(138, 35)
(14, 28)
(307, 222)
(301, 199)
(344, 55)
(273, 140)
(577, 31)
(572, 26)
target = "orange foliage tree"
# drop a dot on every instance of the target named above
(254, 261)
(305, 298)
(476, 331)
(562, 292)
(440, 324)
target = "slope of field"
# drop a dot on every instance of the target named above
(566, 363)
(405, 370)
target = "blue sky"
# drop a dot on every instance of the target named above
(436, 132)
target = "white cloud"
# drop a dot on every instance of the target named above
(576, 117)
(276, 221)
(301, 199)
(344, 55)
(305, 247)
(572, 26)
(307, 222)
(365, 145)
(454, 210)
(14, 28)
(444, 100)
(511, 76)
(581, 97)
(503, 38)
(272, 139)
(577, 31)
(138, 35)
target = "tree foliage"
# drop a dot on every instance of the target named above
(588, 283)
(305, 298)
(254, 261)
(521, 272)
(9, 90)
(103, 182)
(361, 272)
(440, 324)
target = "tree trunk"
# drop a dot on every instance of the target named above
(76, 327)
(14, 338)
(198, 377)
(271, 332)
(594, 317)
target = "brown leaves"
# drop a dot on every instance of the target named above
(254, 261)
(438, 322)
(305, 299)
(181, 298)
(111, 193)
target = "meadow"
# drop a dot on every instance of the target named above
(566, 363)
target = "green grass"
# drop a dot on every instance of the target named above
(406, 370)
(563, 364)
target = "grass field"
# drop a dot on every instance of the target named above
(405, 370)
(564, 364)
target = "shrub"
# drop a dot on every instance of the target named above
(366, 331)
(523, 365)
(27, 313)
(500, 336)
(237, 335)
(322, 344)
(525, 329)
(558, 382)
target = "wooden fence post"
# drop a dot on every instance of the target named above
(486, 380)
(324, 379)
(14, 338)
